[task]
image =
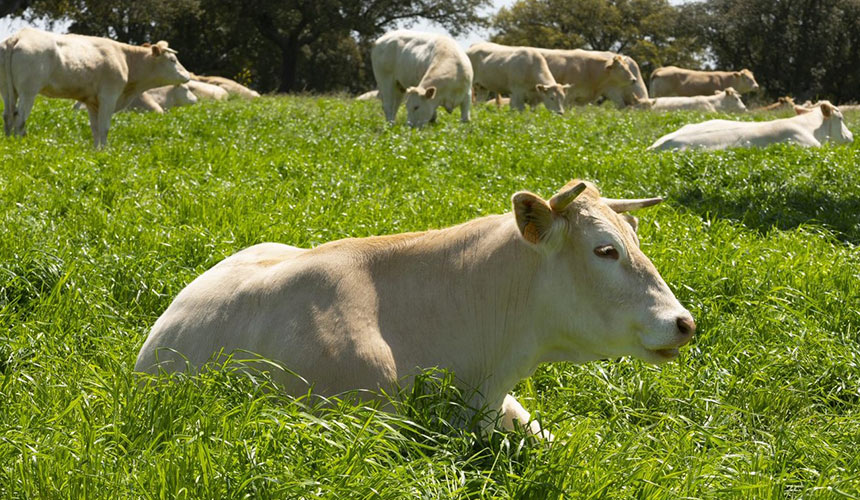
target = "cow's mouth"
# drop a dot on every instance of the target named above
(667, 353)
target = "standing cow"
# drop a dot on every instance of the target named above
(594, 74)
(671, 81)
(490, 299)
(103, 74)
(521, 72)
(429, 70)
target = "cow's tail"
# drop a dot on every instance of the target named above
(7, 88)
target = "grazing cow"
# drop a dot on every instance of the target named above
(429, 70)
(207, 91)
(488, 300)
(232, 88)
(670, 81)
(521, 72)
(368, 96)
(593, 74)
(727, 101)
(103, 74)
(809, 128)
(782, 104)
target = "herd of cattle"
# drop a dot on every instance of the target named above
(557, 279)
(432, 71)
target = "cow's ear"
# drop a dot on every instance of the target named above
(156, 50)
(541, 87)
(737, 73)
(826, 109)
(534, 217)
(430, 93)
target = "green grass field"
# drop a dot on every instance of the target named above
(760, 245)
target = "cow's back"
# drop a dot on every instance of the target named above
(502, 68)
(313, 311)
(69, 66)
(404, 55)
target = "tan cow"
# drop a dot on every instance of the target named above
(489, 300)
(233, 88)
(521, 72)
(591, 74)
(103, 74)
(671, 81)
(782, 104)
(810, 128)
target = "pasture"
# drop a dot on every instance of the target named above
(760, 245)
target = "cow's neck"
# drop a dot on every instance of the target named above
(140, 68)
(470, 295)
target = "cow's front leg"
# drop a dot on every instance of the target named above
(513, 415)
(465, 109)
(107, 105)
(518, 101)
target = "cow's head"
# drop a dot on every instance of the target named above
(745, 81)
(601, 296)
(619, 73)
(182, 95)
(420, 105)
(167, 69)
(731, 100)
(833, 125)
(552, 96)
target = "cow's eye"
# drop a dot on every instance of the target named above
(606, 252)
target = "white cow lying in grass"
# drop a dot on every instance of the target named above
(207, 91)
(728, 101)
(429, 70)
(488, 300)
(811, 128)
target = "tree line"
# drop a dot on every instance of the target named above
(806, 48)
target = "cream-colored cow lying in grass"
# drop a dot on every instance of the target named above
(488, 300)
(727, 101)
(809, 128)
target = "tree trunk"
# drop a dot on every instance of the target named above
(289, 63)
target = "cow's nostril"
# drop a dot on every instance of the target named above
(686, 325)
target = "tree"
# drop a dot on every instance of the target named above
(651, 31)
(268, 39)
(805, 48)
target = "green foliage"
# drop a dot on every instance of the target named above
(287, 45)
(650, 31)
(805, 48)
(761, 245)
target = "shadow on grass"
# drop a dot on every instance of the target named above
(784, 208)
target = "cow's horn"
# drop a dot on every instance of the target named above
(560, 201)
(628, 205)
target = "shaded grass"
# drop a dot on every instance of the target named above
(760, 245)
